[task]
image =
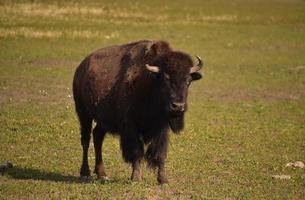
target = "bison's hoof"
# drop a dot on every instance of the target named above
(102, 179)
(86, 179)
(136, 177)
(84, 171)
(162, 180)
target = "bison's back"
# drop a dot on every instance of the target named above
(99, 77)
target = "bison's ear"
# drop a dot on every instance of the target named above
(196, 76)
(154, 69)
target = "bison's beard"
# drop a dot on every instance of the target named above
(176, 122)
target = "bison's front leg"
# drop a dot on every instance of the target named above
(162, 177)
(156, 155)
(136, 173)
(133, 150)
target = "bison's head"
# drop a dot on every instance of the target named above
(176, 72)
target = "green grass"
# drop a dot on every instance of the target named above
(246, 118)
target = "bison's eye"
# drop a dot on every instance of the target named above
(166, 76)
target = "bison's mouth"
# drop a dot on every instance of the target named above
(176, 121)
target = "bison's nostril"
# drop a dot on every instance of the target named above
(177, 107)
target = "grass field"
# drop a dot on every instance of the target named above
(246, 117)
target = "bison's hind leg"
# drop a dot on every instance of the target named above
(85, 129)
(98, 138)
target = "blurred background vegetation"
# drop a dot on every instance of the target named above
(246, 117)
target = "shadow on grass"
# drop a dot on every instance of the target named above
(36, 174)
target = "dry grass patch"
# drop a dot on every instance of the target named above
(36, 33)
(62, 12)
(115, 13)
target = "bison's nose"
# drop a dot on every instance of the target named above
(177, 107)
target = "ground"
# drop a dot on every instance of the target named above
(246, 117)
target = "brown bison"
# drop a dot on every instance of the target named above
(137, 91)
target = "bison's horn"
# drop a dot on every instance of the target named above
(151, 68)
(198, 66)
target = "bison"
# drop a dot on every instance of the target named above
(137, 91)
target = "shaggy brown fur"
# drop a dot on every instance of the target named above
(114, 87)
